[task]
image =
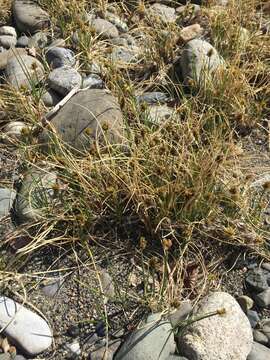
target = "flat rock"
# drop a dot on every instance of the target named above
(259, 352)
(256, 280)
(35, 195)
(64, 79)
(263, 299)
(8, 41)
(7, 196)
(218, 337)
(153, 340)
(24, 327)
(8, 54)
(24, 71)
(60, 56)
(29, 17)
(104, 28)
(198, 61)
(88, 116)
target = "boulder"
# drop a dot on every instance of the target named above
(27, 329)
(217, 337)
(90, 115)
(29, 17)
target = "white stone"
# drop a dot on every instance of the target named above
(8, 30)
(24, 327)
(7, 197)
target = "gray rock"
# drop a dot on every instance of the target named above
(245, 302)
(7, 196)
(163, 12)
(154, 97)
(51, 287)
(102, 353)
(19, 357)
(256, 280)
(24, 327)
(59, 56)
(157, 114)
(6, 55)
(7, 41)
(38, 40)
(24, 71)
(57, 43)
(181, 313)
(259, 352)
(107, 285)
(64, 79)
(93, 81)
(115, 20)
(253, 318)
(8, 30)
(29, 17)
(88, 116)
(152, 341)
(104, 29)
(218, 337)
(125, 54)
(263, 299)
(198, 61)
(260, 337)
(35, 195)
(50, 98)
(23, 41)
(13, 131)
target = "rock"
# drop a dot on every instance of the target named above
(256, 280)
(93, 81)
(181, 313)
(154, 97)
(29, 17)
(107, 285)
(143, 344)
(259, 352)
(59, 56)
(222, 337)
(35, 195)
(50, 98)
(259, 337)
(245, 302)
(104, 29)
(51, 287)
(115, 20)
(156, 114)
(23, 41)
(190, 32)
(198, 61)
(8, 30)
(7, 41)
(38, 40)
(5, 357)
(13, 131)
(265, 328)
(101, 353)
(24, 71)
(263, 299)
(57, 43)
(126, 55)
(24, 327)
(163, 12)
(73, 348)
(253, 318)
(7, 196)
(266, 266)
(88, 116)
(8, 54)
(64, 79)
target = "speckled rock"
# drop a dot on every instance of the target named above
(126, 55)
(7, 197)
(256, 280)
(26, 328)
(218, 337)
(29, 17)
(104, 29)
(153, 340)
(64, 79)
(24, 71)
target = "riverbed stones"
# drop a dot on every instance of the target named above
(256, 280)
(153, 340)
(35, 195)
(64, 79)
(199, 61)
(263, 298)
(24, 71)
(90, 115)
(104, 28)
(60, 56)
(29, 16)
(225, 336)
(259, 352)
(24, 327)
(7, 196)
